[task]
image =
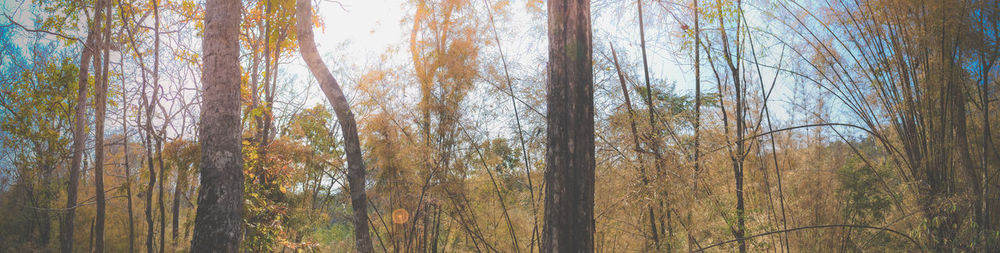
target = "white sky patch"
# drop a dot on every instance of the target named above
(355, 34)
(370, 26)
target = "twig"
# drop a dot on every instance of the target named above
(914, 241)
(39, 30)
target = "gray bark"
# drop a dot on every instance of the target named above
(219, 218)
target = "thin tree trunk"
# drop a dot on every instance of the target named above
(635, 140)
(520, 136)
(90, 240)
(352, 146)
(569, 177)
(42, 218)
(654, 136)
(219, 218)
(128, 170)
(100, 104)
(150, 103)
(162, 133)
(739, 157)
(79, 137)
(163, 214)
(697, 124)
(144, 137)
(152, 170)
(181, 182)
(259, 118)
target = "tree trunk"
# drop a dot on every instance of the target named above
(152, 171)
(352, 146)
(180, 183)
(128, 170)
(654, 133)
(79, 137)
(638, 147)
(569, 156)
(697, 126)
(219, 218)
(163, 213)
(739, 157)
(162, 133)
(150, 133)
(100, 105)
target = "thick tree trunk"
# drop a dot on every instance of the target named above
(569, 157)
(352, 146)
(79, 137)
(219, 218)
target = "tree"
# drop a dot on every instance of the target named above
(183, 156)
(100, 107)
(37, 131)
(79, 135)
(219, 218)
(352, 146)
(569, 177)
(128, 170)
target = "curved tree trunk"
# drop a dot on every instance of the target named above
(569, 156)
(219, 218)
(355, 165)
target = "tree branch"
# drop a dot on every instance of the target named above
(914, 241)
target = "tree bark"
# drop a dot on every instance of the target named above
(739, 157)
(163, 214)
(352, 146)
(569, 156)
(162, 133)
(128, 170)
(654, 133)
(79, 137)
(100, 107)
(152, 170)
(219, 218)
(150, 103)
(697, 124)
(181, 182)
(152, 182)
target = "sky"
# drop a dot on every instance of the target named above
(370, 25)
(357, 32)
